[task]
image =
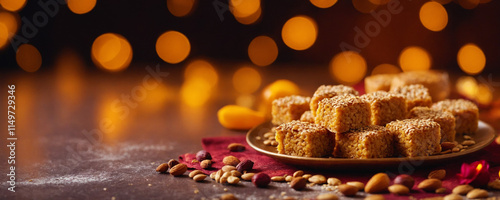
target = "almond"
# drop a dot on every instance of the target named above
(462, 189)
(356, 184)
(399, 189)
(447, 146)
(230, 160)
(298, 183)
(298, 173)
(437, 174)
(178, 169)
(206, 164)
(477, 193)
(430, 185)
(162, 168)
(378, 183)
(236, 147)
(440, 190)
(494, 184)
(348, 190)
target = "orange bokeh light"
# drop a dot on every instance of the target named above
(323, 3)
(386, 69)
(180, 8)
(262, 51)
(433, 16)
(200, 78)
(8, 27)
(299, 32)
(479, 167)
(81, 6)
(246, 80)
(244, 8)
(414, 58)
(173, 47)
(348, 67)
(468, 4)
(364, 6)
(28, 58)
(112, 52)
(13, 5)
(251, 19)
(471, 59)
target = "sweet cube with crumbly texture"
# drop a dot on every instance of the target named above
(378, 82)
(415, 137)
(289, 108)
(307, 117)
(342, 113)
(416, 95)
(445, 119)
(304, 139)
(385, 107)
(437, 82)
(368, 142)
(328, 91)
(466, 114)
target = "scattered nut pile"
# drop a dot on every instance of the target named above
(269, 138)
(454, 147)
(235, 171)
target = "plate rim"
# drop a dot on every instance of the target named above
(350, 161)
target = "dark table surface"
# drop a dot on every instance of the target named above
(94, 135)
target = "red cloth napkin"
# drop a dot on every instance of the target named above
(217, 146)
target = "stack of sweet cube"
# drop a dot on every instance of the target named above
(337, 122)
